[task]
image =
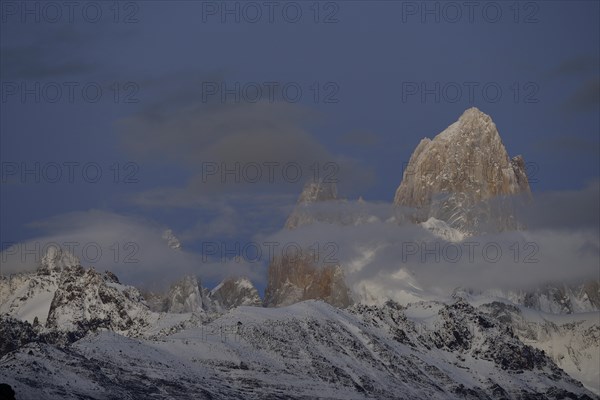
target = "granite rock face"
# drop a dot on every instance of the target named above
(464, 177)
(293, 280)
(313, 193)
(299, 278)
(188, 296)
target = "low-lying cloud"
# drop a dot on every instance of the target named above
(131, 247)
(381, 258)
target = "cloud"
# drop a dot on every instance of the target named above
(129, 246)
(567, 209)
(384, 259)
(35, 61)
(381, 258)
(220, 215)
(208, 137)
(586, 98)
(51, 53)
(360, 139)
(569, 143)
(576, 66)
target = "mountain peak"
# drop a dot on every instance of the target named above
(474, 125)
(313, 192)
(464, 165)
(474, 113)
(187, 296)
(318, 191)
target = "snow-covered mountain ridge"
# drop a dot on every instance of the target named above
(307, 350)
(72, 332)
(427, 349)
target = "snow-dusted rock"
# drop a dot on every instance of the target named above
(235, 292)
(307, 350)
(313, 193)
(464, 177)
(296, 278)
(188, 296)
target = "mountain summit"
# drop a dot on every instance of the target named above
(314, 193)
(464, 176)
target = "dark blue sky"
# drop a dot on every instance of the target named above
(375, 77)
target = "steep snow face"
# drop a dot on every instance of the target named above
(64, 298)
(233, 293)
(461, 176)
(308, 350)
(86, 299)
(28, 296)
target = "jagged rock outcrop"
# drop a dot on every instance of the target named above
(570, 341)
(188, 296)
(62, 296)
(427, 351)
(232, 292)
(296, 278)
(464, 177)
(15, 333)
(556, 298)
(88, 300)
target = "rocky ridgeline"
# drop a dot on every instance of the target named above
(424, 351)
(189, 296)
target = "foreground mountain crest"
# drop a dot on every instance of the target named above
(459, 174)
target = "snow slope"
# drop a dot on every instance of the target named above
(304, 351)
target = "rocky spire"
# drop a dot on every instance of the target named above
(452, 176)
(294, 279)
(188, 296)
(314, 192)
